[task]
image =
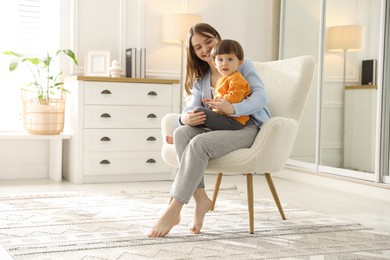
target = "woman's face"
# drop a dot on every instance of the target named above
(203, 45)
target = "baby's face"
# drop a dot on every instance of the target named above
(226, 64)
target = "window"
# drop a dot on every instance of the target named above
(30, 27)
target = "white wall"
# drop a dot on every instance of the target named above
(119, 24)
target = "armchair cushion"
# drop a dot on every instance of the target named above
(168, 125)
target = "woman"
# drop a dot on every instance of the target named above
(196, 145)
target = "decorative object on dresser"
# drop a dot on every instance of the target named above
(116, 127)
(131, 63)
(44, 96)
(136, 63)
(142, 63)
(115, 69)
(97, 63)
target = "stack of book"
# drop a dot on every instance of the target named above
(136, 63)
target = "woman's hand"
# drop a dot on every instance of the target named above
(221, 105)
(193, 118)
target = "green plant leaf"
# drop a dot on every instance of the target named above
(33, 60)
(11, 53)
(13, 65)
(43, 84)
(47, 60)
(69, 53)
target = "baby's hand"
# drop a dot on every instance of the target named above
(207, 100)
(222, 105)
(210, 102)
(217, 111)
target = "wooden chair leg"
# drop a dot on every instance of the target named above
(216, 189)
(249, 185)
(274, 194)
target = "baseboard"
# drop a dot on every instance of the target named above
(373, 190)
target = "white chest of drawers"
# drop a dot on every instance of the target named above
(115, 126)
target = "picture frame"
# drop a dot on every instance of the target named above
(97, 63)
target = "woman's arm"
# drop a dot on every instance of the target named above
(195, 99)
(258, 99)
(189, 116)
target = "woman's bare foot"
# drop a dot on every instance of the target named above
(202, 206)
(168, 220)
(169, 139)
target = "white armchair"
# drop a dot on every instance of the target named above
(287, 83)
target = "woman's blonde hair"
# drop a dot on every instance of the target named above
(197, 68)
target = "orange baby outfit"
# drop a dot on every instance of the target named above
(233, 88)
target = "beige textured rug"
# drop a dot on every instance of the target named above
(114, 226)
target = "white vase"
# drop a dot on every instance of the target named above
(115, 69)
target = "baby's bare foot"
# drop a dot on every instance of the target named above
(169, 139)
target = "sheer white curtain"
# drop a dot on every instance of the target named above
(29, 27)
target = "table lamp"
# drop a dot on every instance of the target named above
(345, 38)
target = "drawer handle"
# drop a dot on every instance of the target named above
(106, 92)
(151, 161)
(105, 115)
(151, 138)
(105, 162)
(152, 116)
(105, 139)
(152, 93)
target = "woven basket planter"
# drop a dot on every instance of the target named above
(44, 116)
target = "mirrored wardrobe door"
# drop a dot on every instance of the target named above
(349, 100)
(384, 165)
(300, 29)
(339, 129)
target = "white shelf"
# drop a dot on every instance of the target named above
(55, 149)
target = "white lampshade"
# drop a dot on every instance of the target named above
(345, 38)
(176, 26)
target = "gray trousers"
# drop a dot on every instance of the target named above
(195, 146)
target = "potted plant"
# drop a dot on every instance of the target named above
(44, 96)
